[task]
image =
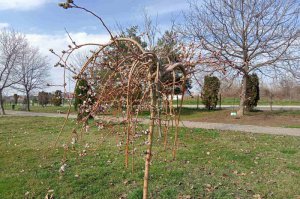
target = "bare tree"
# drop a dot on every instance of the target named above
(150, 31)
(12, 45)
(34, 70)
(248, 35)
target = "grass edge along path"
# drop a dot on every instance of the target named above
(210, 164)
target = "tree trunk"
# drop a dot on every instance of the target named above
(159, 100)
(198, 96)
(271, 102)
(241, 110)
(150, 135)
(2, 112)
(220, 101)
(28, 102)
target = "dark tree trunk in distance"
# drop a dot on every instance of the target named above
(2, 112)
(27, 101)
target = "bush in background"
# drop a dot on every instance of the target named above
(210, 92)
(57, 98)
(252, 93)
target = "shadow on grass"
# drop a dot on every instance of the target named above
(187, 111)
(191, 111)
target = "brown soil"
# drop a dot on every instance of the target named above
(266, 118)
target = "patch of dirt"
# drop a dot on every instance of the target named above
(261, 118)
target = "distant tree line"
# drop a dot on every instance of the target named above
(22, 67)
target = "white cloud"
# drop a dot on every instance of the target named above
(22, 4)
(4, 25)
(58, 43)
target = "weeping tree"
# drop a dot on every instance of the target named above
(130, 69)
(249, 35)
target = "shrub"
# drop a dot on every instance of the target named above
(16, 98)
(80, 92)
(57, 98)
(24, 101)
(210, 92)
(34, 100)
(252, 93)
(84, 98)
(44, 98)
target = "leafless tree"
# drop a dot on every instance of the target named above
(133, 80)
(34, 70)
(248, 35)
(12, 45)
(150, 30)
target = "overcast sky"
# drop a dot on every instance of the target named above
(44, 22)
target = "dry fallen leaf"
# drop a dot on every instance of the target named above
(257, 196)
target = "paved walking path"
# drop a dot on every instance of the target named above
(189, 124)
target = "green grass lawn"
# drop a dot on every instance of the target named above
(210, 164)
(236, 101)
(293, 126)
(187, 101)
